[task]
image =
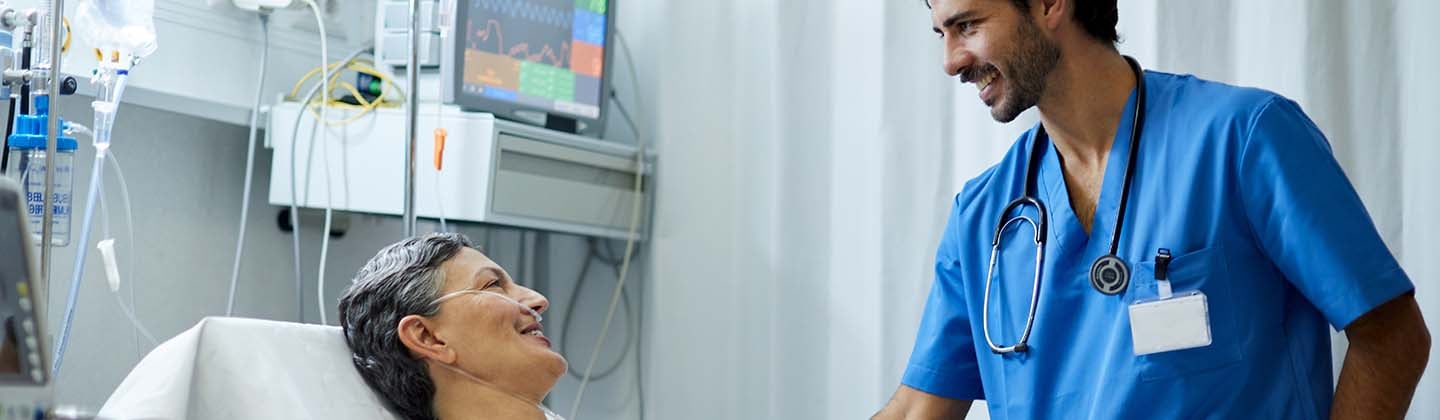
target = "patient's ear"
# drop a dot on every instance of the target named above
(418, 335)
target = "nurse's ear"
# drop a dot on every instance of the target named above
(1051, 14)
(418, 335)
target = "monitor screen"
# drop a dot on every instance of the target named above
(20, 327)
(541, 55)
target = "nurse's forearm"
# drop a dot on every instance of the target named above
(1389, 347)
(913, 404)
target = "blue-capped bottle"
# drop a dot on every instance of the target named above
(27, 167)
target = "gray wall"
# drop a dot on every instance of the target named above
(184, 175)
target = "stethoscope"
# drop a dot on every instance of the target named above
(1109, 274)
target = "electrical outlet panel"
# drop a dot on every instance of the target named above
(392, 28)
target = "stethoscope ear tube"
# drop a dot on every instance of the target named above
(1023, 344)
(1018, 203)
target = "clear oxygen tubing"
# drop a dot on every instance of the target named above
(462, 292)
(249, 161)
(112, 77)
(294, 188)
(325, 149)
(635, 213)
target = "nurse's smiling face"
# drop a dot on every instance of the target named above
(998, 47)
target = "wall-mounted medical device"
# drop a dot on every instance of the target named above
(542, 62)
(495, 171)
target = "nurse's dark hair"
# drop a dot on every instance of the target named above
(402, 279)
(1098, 17)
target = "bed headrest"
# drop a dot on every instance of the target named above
(237, 368)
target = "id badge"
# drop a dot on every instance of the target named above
(1169, 324)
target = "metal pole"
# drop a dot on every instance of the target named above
(412, 117)
(52, 133)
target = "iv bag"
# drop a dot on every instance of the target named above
(127, 26)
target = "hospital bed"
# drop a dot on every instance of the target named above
(235, 368)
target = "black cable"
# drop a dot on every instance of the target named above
(25, 54)
(590, 256)
(24, 101)
(9, 129)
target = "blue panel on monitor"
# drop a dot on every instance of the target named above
(498, 93)
(589, 27)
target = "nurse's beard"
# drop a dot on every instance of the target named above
(1033, 59)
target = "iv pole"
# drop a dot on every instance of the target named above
(52, 131)
(412, 114)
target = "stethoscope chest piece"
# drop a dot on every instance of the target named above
(1109, 275)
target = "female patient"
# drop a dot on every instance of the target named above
(439, 330)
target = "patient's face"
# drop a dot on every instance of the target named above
(494, 338)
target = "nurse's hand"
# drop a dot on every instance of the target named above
(913, 404)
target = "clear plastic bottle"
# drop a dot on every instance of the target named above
(27, 167)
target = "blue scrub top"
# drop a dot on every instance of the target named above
(1243, 189)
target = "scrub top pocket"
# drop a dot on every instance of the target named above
(1205, 271)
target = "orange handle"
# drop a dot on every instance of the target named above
(440, 134)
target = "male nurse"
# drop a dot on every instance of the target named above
(1198, 242)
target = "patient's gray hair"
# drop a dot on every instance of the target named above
(402, 279)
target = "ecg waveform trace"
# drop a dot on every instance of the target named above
(529, 10)
(522, 50)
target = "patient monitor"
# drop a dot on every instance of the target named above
(24, 372)
(22, 355)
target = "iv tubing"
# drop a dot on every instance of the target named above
(128, 310)
(130, 230)
(106, 102)
(324, 141)
(81, 249)
(73, 129)
(249, 162)
(630, 240)
(294, 188)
